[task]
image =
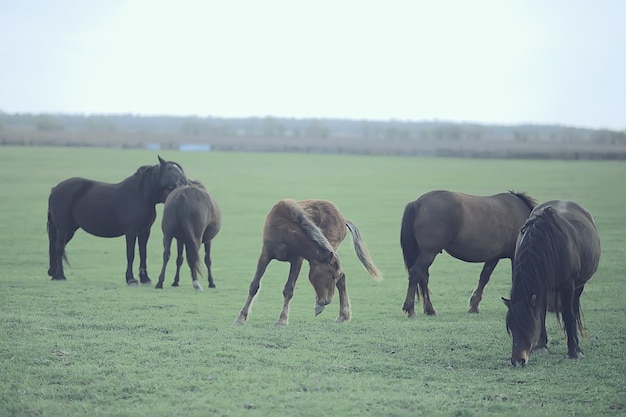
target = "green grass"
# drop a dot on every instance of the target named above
(93, 346)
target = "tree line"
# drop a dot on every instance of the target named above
(294, 128)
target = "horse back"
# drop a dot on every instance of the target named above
(201, 212)
(469, 227)
(284, 236)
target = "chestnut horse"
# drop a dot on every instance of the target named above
(557, 253)
(311, 230)
(192, 217)
(110, 210)
(470, 228)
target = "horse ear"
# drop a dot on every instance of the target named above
(533, 300)
(161, 161)
(507, 303)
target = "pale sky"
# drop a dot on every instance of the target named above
(485, 61)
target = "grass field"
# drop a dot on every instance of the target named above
(91, 346)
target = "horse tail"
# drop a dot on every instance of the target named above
(410, 249)
(309, 227)
(183, 216)
(362, 253)
(52, 237)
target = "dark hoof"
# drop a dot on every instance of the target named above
(159, 286)
(58, 278)
(174, 284)
(146, 281)
(212, 286)
(132, 283)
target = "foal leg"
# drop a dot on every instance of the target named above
(294, 271)
(179, 261)
(345, 314)
(207, 262)
(142, 239)
(477, 295)
(255, 284)
(570, 316)
(167, 243)
(418, 274)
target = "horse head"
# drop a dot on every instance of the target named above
(523, 323)
(324, 277)
(171, 175)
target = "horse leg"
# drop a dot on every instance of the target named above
(418, 274)
(167, 243)
(130, 257)
(542, 344)
(207, 262)
(179, 261)
(477, 295)
(262, 263)
(142, 239)
(345, 314)
(294, 271)
(570, 312)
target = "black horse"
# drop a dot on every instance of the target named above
(470, 228)
(192, 217)
(557, 252)
(110, 210)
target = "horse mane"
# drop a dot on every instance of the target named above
(536, 264)
(308, 226)
(528, 200)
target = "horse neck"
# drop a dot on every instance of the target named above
(147, 184)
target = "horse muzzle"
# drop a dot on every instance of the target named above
(519, 360)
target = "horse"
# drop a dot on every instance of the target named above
(311, 230)
(468, 227)
(557, 252)
(110, 210)
(192, 217)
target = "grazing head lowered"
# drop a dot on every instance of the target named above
(311, 230)
(557, 253)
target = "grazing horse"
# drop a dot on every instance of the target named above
(557, 252)
(468, 227)
(192, 217)
(311, 230)
(110, 210)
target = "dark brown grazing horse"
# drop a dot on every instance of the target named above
(470, 228)
(558, 251)
(311, 230)
(110, 210)
(192, 217)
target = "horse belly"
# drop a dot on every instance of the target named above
(476, 251)
(99, 222)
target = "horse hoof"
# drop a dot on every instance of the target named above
(473, 310)
(146, 282)
(211, 285)
(132, 283)
(238, 323)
